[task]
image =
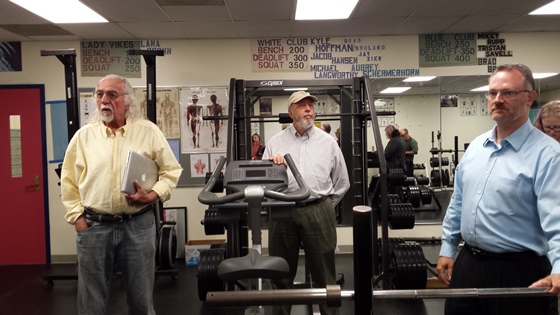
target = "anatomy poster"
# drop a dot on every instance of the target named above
(199, 165)
(199, 132)
(215, 159)
(167, 109)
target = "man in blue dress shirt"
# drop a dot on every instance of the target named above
(505, 206)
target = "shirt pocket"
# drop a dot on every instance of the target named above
(321, 173)
(507, 195)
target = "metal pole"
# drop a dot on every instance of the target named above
(150, 60)
(332, 296)
(68, 59)
(461, 293)
(362, 259)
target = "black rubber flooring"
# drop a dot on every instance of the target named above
(23, 290)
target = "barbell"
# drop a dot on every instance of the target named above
(332, 296)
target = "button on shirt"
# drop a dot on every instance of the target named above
(94, 164)
(317, 157)
(506, 196)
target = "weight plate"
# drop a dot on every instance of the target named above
(212, 223)
(167, 248)
(208, 279)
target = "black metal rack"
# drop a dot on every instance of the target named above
(355, 98)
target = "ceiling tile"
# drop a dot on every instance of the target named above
(159, 30)
(478, 24)
(132, 19)
(100, 31)
(263, 29)
(386, 8)
(425, 25)
(531, 23)
(375, 27)
(269, 10)
(189, 14)
(190, 2)
(318, 28)
(35, 29)
(11, 37)
(219, 29)
(437, 8)
(128, 10)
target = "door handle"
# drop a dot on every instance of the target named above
(35, 186)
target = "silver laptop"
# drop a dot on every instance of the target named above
(140, 168)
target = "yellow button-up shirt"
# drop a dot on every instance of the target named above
(94, 163)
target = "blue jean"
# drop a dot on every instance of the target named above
(132, 246)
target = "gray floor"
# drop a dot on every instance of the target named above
(23, 291)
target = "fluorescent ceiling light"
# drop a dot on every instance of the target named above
(395, 90)
(296, 89)
(548, 9)
(543, 75)
(480, 89)
(419, 79)
(324, 9)
(61, 11)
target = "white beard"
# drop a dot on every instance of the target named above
(305, 123)
(107, 117)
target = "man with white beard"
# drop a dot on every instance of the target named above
(313, 225)
(115, 228)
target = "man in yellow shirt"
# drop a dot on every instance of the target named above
(114, 228)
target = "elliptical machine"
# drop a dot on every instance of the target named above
(253, 187)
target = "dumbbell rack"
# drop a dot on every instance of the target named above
(440, 177)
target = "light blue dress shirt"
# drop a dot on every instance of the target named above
(506, 196)
(317, 157)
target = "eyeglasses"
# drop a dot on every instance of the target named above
(112, 95)
(551, 128)
(504, 93)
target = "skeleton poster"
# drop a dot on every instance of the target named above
(167, 109)
(198, 134)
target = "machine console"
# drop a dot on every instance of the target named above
(240, 174)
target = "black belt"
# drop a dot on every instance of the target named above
(511, 255)
(310, 202)
(114, 218)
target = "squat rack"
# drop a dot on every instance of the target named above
(355, 98)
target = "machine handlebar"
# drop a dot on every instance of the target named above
(207, 197)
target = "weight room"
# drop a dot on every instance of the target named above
(253, 50)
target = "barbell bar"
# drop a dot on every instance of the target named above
(332, 296)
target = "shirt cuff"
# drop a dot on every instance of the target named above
(72, 216)
(448, 250)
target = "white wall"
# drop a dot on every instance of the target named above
(214, 62)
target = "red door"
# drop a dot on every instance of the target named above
(23, 219)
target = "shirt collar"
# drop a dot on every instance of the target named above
(516, 139)
(124, 130)
(306, 135)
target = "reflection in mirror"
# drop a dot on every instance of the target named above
(15, 144)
